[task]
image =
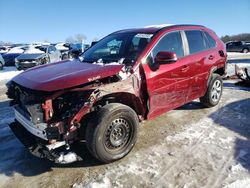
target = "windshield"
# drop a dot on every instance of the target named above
(120, 46)
(42, 48)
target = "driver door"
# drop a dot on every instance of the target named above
(168, 86)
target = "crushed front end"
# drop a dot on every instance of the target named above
(46, 122)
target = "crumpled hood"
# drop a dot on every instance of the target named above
(64, 74)
(30, 56)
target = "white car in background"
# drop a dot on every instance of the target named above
(63, 48)
(37, 55)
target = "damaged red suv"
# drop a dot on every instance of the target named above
(128, 76)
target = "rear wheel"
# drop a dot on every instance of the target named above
(112, 133)
(214, 91)
(245, 50)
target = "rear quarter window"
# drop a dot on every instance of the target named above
(196, 41)
(210, 40)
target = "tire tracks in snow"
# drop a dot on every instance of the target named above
(178, 165)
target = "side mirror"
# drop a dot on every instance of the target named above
(165, 57)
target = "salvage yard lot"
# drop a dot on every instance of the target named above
(191, 146)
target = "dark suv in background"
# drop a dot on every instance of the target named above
(239, 46)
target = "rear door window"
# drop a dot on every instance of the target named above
(196, 41)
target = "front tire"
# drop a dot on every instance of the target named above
(214, 91)
(112, 134)
(65, 56)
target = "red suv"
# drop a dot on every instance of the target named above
(128, 76)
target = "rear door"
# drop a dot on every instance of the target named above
(167, 86)
(202, 56)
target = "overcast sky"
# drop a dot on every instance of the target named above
(39, 20)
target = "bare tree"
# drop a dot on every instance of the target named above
(70, 39)
(95, 39)
(80, 38)
(238, 37)
(2, 43)
(46, 41)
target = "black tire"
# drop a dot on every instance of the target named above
(112, 133)
(245, 50)
(45, 61)
(214, 91)
(65, 56)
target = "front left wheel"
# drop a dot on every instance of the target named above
(112, 133)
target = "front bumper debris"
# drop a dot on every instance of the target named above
(56, 152)
(37, 130)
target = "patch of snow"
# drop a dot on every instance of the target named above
(33, 50)
(60, 46)
(8, 73)
(191, 134)
(237, 55)
(16, 50)
(226, 140)
(244, 183)
(237, 168)
(103, 183)
(40, 43)
(158, 26)
(67, 158)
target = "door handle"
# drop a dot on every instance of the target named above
(184, 68)
(211, 57)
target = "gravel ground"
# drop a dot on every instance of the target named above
(191, 146)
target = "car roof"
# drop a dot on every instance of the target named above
(154, 28)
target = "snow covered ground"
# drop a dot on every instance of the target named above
(239, 59)
(210, 151)
(191, 146)
(188, 147)
(8, 72)
(237, 55)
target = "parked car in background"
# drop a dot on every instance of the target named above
(238, 46)
(76, 49)
(10, 56)
(129, 76)
(4, 49)
(37, 55)
(63, 48)
(2, 63)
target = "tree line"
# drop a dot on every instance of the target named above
(77, 38)
(238, 37)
